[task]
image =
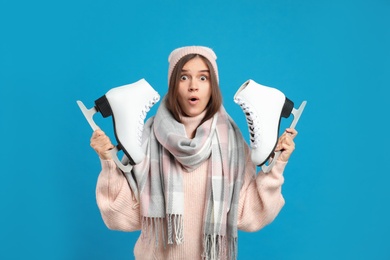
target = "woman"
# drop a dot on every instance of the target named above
(197, 185)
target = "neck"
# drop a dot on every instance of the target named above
(192, 123)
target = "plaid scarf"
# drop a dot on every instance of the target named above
(157, 181)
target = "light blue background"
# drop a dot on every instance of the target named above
(334, 54)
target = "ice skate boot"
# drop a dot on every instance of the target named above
(128, 105)
(264, 107)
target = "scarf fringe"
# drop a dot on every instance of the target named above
(155, 227)
(215, 247)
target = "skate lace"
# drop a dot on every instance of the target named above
(252, 121)
(142, 116)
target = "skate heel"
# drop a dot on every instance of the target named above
(287, 108)
(103, 106)
(120, 147)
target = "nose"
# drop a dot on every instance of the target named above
(193, 86)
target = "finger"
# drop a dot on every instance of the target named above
(284, 142)
(288, 140)
(99, 132)
(107, 147)
(279, 145)
(292, 132)
(103, 149)
(289, 147)
(287, 136)
(281, 140)
(102, 139)
(104, 144)
(95, 134)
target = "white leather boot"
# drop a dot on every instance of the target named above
(264, 107)
(128, 105)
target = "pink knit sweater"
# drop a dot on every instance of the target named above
(260, 202)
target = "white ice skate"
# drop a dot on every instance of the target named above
(128, 105)
(264, 107)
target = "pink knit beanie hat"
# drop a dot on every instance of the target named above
(179, 53)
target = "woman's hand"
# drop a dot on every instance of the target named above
(286, 144)
(101, 143)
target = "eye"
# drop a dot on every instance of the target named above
(183, 77)
(203, 78)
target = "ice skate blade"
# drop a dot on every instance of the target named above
(125, 168)
(88, 113)
(297, 114)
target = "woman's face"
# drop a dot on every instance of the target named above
(194, 90)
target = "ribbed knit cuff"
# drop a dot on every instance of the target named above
(107, 164)
(279, 166)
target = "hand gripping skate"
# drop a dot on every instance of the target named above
(128, 106)
(264, 107)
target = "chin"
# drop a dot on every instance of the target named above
(194, 113)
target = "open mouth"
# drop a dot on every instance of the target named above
(193, 100)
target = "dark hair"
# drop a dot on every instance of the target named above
(215, 101)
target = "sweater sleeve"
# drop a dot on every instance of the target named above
(115, 199)
(261, 197)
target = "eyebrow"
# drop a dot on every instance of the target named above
(198, 71)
